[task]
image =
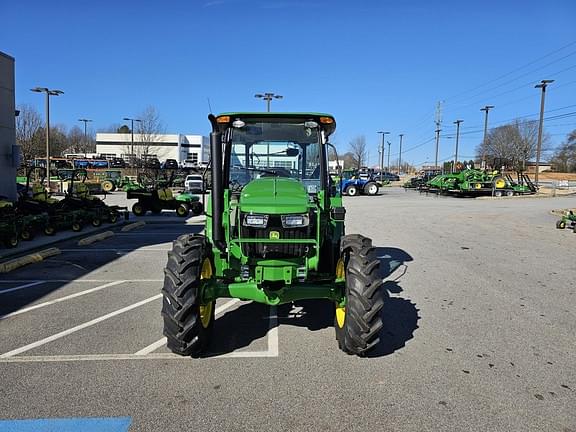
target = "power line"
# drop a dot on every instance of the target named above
(514, 70)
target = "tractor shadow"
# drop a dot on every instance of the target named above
(399, 315)
(251, 322)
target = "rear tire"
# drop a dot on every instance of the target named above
(76, 226)
(186, 328)
(49, 230)
(509, 193)
(96, 222)
(498, 193)
(358, 330)
(138, 209)
(27, 234)
(108, 186)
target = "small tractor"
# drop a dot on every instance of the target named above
(568, 217)
(352, 184)
(274, 235)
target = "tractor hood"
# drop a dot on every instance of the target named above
(274, 195)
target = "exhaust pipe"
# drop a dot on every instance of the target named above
(217, 185)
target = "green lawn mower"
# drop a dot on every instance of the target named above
(568, 218)
(274, 235)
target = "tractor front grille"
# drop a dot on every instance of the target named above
(277, 250)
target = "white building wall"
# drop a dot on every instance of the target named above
(167, 146)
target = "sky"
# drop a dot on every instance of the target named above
(375, 65)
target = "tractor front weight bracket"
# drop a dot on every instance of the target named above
(252, 291)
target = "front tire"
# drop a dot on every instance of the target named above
(351, 191)
(358, 324)
(371, 189)
(182, 210)
(560, 224)
(188, 324)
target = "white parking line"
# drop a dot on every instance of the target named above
(144, 249)
(272, 350)
(79, 280)
(77, 328)
(161, 342)
(61, 299)
(28, 285)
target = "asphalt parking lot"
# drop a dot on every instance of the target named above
(479, 332)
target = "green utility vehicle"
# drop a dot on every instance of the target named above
(274, 234)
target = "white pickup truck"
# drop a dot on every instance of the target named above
(194, 183)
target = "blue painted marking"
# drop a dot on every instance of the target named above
(104, 424)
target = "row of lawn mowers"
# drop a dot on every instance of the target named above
(473, 182)
(154, 194)
(36, 211)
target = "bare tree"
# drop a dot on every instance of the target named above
(512, 144)
(564, 158)
(149, 130)
(358, 151)
(28, 124)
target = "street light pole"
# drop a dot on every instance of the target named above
(457, 123)
(268, 97)
(543, 84)
(485, 109)
(382, 152)
(400, 154)
(85, 134)
(389, 145)
(132, 120)
(48, 93)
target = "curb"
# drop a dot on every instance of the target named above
(132, 226)
(94, 238)
(8, 266)
(16, 251)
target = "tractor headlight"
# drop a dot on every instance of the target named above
(255, 221)
(295, 221)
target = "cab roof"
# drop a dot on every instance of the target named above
(328, 127)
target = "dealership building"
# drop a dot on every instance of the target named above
(8, 150)
(186, 149)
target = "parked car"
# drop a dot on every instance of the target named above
(152, 163)
(387, 176)
(170, 164)
(194, 183)
(117, 163)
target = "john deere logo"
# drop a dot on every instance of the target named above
(274, 235)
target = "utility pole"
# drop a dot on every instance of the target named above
(543, 84)
(457, 123)
(48, 94)
(389, 144)
(85, 134)
(400, 154)
(381, 161)
(437, 142)
(438, 122)
(485, 109)
(268, 97)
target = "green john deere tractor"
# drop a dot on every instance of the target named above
(274, 234)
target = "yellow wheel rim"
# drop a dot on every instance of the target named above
(340, 310)
(206, 310)
(500, 183)
(477, 185)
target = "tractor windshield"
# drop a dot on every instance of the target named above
(275, 148)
